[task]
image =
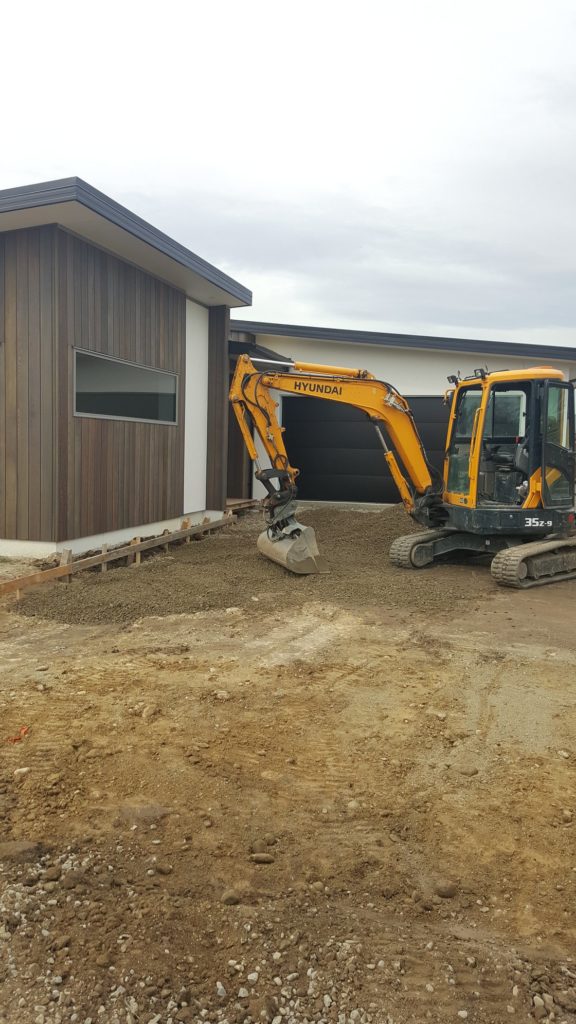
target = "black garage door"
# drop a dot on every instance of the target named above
(338, 453)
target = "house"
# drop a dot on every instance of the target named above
(333, 445)
(113, 373)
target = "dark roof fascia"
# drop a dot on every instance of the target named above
(251, 348)
(67, 190)
(406, 341)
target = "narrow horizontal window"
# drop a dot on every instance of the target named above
(117, 390)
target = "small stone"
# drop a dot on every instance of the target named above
(463, 1014)
(327, 1001)
(104, 960)
(72, 879)
(220, 990)
(164, 869)
(317, 886)
(53, 874)
(567, 816)
(445, 889)
(243, 993)
(253, 978)
(548, 1001)
(230, 898)
(20, 774)
(262, 858)
(258, 846)
(564, 754)
(468, 770)
(270, 839)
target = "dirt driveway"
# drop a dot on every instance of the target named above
(247, 797)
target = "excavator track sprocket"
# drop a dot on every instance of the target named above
(535, 564)
(415, 550)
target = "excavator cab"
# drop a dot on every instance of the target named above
(510, 447)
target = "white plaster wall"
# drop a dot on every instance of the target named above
(196, 415)
(411, 371)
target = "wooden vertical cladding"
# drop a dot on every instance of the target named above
(63, 476)
(28, 354)
(116, 474)
(218, 375)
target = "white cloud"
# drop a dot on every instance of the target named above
(370, 164)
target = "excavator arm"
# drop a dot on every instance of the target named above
(251, 394)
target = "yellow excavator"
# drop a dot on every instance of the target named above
(507, 489)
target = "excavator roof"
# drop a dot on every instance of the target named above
(507, 376)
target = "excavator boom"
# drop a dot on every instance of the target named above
(285, 540)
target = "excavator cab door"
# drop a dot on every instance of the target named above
(458, 471)
(558, 456)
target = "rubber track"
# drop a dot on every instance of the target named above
(505, 564)
(401, 549)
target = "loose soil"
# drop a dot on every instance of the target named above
(344, 799)
(226, 570)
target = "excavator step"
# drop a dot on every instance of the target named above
(535, 564)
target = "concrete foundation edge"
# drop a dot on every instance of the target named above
(78, 546)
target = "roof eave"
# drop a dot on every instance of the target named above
(75, 190)
(406, 341)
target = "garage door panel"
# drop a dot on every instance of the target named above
(348, 488)
(346, 461)
(329, 435)
(339, 455)
(433, 434)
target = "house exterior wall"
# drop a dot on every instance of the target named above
(28, 359)
(411, 371)
(113, 474)
(63, 476)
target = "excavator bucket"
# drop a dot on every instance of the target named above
(298, 554)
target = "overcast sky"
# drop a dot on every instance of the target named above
(404, 165)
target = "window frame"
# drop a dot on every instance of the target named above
(125, 362)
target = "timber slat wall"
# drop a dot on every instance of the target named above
(27, 400)
(116, 473)
(65, 476)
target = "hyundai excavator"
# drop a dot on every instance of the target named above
(507, 489)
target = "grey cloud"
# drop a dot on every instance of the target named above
(363, 263)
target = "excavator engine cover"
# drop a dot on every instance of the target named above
(297, 552)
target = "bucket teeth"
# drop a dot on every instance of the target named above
(298, 554)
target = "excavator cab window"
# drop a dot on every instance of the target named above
(458, 479)
(557, 429)
(505, 456)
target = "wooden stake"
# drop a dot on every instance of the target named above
(104, 566)
(138, 556)
(65, 559)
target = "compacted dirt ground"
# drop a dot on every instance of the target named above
(229, 794)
